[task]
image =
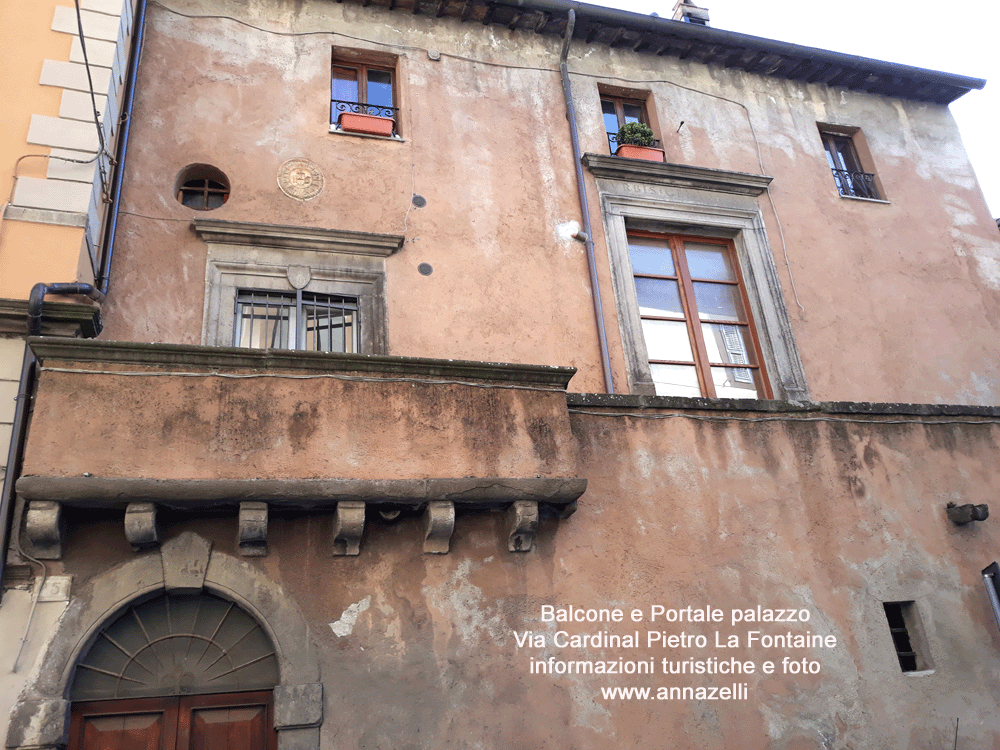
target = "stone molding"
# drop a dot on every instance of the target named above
(297, 238)
(45, 216)
(676, 175)
(186, 357)
(777, 406)
(478, 492)
(58, 318)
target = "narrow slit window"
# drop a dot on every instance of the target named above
(907, 636)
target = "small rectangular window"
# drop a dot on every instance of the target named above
(695, 317)
(849, 174)
(363, 87)
(296, 320)
(907, 636)
(618, 111)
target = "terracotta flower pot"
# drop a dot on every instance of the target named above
(353, 122)
(648, 153)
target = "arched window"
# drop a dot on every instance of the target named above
(176, 671)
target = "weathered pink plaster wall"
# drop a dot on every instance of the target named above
(834, 515)
(899, 300)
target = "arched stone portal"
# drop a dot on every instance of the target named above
(185, 572)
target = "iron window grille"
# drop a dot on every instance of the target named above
(362, 89)
(695, 315)
(296, 320)
(896, 614)
(848, 174)
(618, 111)
(202, 194)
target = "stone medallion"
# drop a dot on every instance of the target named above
(300, 179)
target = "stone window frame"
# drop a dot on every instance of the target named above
(266, 257)
(680, 199)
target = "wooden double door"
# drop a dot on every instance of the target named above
(230, 721)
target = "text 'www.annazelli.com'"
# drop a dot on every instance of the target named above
(737, 692)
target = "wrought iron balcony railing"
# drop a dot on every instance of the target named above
(613, 142)
(361, 108)
(855, 184)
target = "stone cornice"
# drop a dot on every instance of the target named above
(471, 492)
(675, 175)
(598, 401)
(80, 318)
(181, 356)
(297, 238)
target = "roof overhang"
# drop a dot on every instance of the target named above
(662, 36)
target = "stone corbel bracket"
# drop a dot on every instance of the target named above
(439, 523)
(348, 526)
(252, 537)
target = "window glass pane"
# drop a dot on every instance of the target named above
(846, 155)
(330, 323)
(659, 297)
(380, 88)
(264, 321)
(633, 112)
(728, 344)
(735, 382)
(718, 301)
(651, 256)
(675, 380)
(667, 339)
(828, 146)
(344, 84)
(709, 262)
(610, 116)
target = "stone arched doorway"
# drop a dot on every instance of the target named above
(173, 672)
(183, 569)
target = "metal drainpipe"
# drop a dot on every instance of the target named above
(121, 152)
(19, 430)
(990, 573)
(14, 453)
(581, 187)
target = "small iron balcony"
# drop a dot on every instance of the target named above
(613, 142)
(855, 184)
(340, 106)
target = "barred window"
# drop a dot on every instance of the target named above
(296, 320)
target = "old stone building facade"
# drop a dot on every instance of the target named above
(421, 416)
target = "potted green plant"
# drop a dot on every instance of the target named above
(635, 141)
